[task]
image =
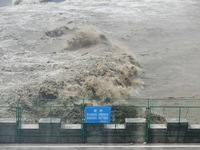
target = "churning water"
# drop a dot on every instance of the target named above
(9, 2)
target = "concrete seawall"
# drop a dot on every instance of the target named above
(135, 130)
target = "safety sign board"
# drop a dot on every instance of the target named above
(97, 114)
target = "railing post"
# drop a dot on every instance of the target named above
(18, 120)
(179, 115)
(50, 122)
(179, 121)
(147, 119)
(82, 121)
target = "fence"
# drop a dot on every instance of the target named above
(135, 120)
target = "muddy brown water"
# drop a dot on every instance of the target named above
(163, 35)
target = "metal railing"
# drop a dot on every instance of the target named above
(154, 110)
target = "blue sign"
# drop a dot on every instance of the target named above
(97, 114)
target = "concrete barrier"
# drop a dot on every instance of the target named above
(193, 134)
(158, 133)
(135, 130)
(115, 133)
(71, 133)
(8, 130)
(51, 130)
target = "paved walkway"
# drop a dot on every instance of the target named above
(101, 147)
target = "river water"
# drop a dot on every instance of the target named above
(9, 2)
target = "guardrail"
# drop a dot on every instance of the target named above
(137, 120)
